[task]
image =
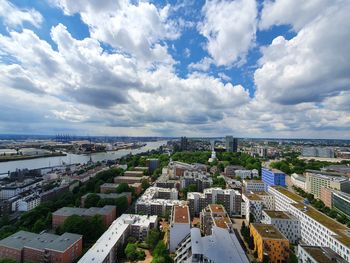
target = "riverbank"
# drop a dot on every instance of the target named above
(10, 158)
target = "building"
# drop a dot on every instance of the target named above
(316, 254)
(230, 170)
(214, 215)
(158, 201)
(268, 200)
(326, 196)
(113, 196)
(314, 182)
(317, 229)
(152, 164)
(202, 180)
(107, 188)
(243, 174)
(26, 246)
(108, 214)
(180, 225)
(272, 177)
(184, 144)
(134, 173)
(55, 192)
(252, 207)
(270, 242)
(231, 144)
(298, 181)
(110, 245)
(323, 152)
(286, 223)
(130, 179)
(221, 246)
(341, 202)
(28, 203)
(230, 198)
(254, 186)
(12, 189)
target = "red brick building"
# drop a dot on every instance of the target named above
(27, 246)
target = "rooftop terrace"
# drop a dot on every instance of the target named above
(268, 231)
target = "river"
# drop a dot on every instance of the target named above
(74, 158)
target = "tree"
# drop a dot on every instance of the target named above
(251, 243)
(133, 253)
(160, 253)
(39, 226)
(7, 260)
(91, 200)
(145, 184)
(123, 187)
(153, 238)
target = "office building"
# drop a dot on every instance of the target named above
(109, 246)
(152, 164)
(316, 254)
(180, 225)
(254, 186)
(286, 223)
(201, 180)
(221, 246)
(323, 152)
(341, 202)
(317, 229)
(270, 242)
(230, 198)
(184, 144)
(231, 144)
(298, 181)
(314, 182)
(108, 214)
(26, 246)
(272, 177)
(214, 215)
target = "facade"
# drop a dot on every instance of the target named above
(272, 177)
(202, 180)
(28, 203)
(244, 174)
(287, 224)
(214, 215)
(230, 198)
(108, 213)
(134, 173)
(221, 246)
(26, 246)
(110, 245)
(158, 201)
(269, 241)
(253, 206)
(317, 229)
(268, 200)
(341, 202)
(230, 169)
(326, 196)
(298, 181)
(314, 182)
(180, 225)
(254, 186)
(152, 164)
(13, 189)
(108, 188)
(317, 152)
(316, 254)
(231, 144)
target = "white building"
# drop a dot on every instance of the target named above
(244, 173)
(286, 223)
(317, 229)
(298, 181)
(316, 254)
(268, 200)
(254, 185)
(106, 247)
(253, 205)
(13, 189)
(28, 203)
(221, 246)
(180, 225)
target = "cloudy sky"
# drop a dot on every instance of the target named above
(178, 67)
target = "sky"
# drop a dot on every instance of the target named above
(278, 69)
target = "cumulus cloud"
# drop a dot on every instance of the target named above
(14, 16)
(229, 27)
(310, 67)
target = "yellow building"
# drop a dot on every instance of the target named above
(269, 241)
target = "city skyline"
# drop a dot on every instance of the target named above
(257, 69)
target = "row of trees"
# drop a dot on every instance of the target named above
(319, 205)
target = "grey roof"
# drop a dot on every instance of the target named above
(43, 241)
(69, 211)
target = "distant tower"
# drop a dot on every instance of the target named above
(184, 144)
(213, 153)
(231, 144)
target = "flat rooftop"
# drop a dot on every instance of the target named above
(43, 241)
(181, 214)
(69, 211)
(215, 208)
(222, 221)
(268, 231)
(278, 214)
(323, 254)
(251, 196)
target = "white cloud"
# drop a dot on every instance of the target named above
(14, 16)
(311, 66)
(223, 76)
(202, 65)
(229, 27)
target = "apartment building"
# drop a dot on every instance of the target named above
(202, 180)
(134, 173)
(269, 241)
(315, 181)
(316, 254)
(108, 214)
(29, 202)
(298, 180)
(220, 246)
(26, 246)
(286, 223)
(317, 229)
(230, 198)
(12, 189)
(180, 225)
(214, 215)
(108, 247)
(254, 186)
(253, 206)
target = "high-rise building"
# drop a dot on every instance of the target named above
(184, 144)
(272, 177)
(231, 144)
